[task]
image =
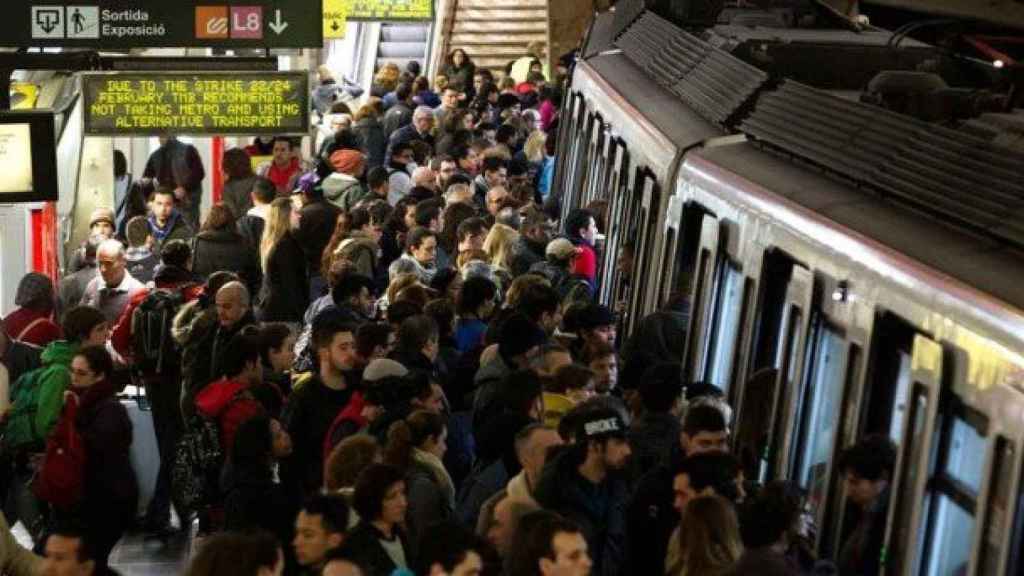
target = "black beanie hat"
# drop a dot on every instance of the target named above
(518, 334)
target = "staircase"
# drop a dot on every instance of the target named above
(493, 32)
(401, 43)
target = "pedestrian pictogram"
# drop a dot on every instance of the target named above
(83, 22)
(47, 22)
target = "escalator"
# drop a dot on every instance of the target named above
(402, 43)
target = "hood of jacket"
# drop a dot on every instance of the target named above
(335, 185)
(496, 369)
(220, 235)
(214, 399)
(167, 276)
(59, 352)
(91, 397)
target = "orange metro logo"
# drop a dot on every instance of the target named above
(212, 22)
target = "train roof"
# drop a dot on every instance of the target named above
(963, 233)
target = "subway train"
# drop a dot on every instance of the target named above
(851, 269)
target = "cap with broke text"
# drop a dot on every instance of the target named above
(602, 423)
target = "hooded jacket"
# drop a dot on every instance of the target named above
(659, 334)
(654, 437)
(373, 139)
(30, 425)
(253, 501)
(226, 249)
(107, 434)
(600, 510)
(525, 254)
(362, 251)
(229, 403)
(284, 296)
(342, 190)
(488, 378)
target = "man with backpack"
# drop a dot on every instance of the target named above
(229, 401)
(143, 339)
(234, 312)
(37, 399)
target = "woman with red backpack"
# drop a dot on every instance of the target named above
(108, 487)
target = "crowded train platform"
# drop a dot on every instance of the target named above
(512, 288)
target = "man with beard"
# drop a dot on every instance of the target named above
(314, 404)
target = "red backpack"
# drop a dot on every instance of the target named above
(61, 478)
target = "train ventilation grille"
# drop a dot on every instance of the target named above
(713, 82)
(955, 175)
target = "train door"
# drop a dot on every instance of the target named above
(642, 219)
(575, 136)
(702, 293)
(832, 369)
(612, 292)
(768, 400)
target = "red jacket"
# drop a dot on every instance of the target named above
(586, 263)
(230, 404)
(351, 414)
(121, 335)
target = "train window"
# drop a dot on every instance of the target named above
(999, 516)
(899, 405)
(953, 491)
(910, 470)
(727, 323)
(821, 413)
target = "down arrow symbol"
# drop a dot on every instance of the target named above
(277, 25)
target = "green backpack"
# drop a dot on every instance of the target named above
(31, 416)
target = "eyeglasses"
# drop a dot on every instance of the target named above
(83, 373)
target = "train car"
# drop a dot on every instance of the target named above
(850, 271)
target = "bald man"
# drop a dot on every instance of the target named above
(495, 199)
(112, 289)
(424, 177)
(234, 313)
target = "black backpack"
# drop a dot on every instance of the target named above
(198, 460)
(153, 347)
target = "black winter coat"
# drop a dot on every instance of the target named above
(107, 434)
(319, 219)
(254, 501)
(226, 249)
(362, 547)
(373, 139)
(599, 510)
(285, 293)
(650, 519)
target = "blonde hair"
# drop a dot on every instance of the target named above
(368, 110)
(707, 540)
(534, 147)
(399, 283)
(467, 256)
(521, 284)
(499, 245)
(279, 221)
(387, 76)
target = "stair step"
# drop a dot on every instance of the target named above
(496, 15)
(495, 39)
(536, 26)
(512, 51)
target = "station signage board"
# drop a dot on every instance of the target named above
(163, 23)
(28, 156)
(391, 10)
(214, 103)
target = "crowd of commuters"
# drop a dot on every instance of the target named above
(397, 350)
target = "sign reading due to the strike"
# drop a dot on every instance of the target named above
(191, 103)
(422, 10)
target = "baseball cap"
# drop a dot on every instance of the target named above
(382, 368)
(601, 423)
(561, 249)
